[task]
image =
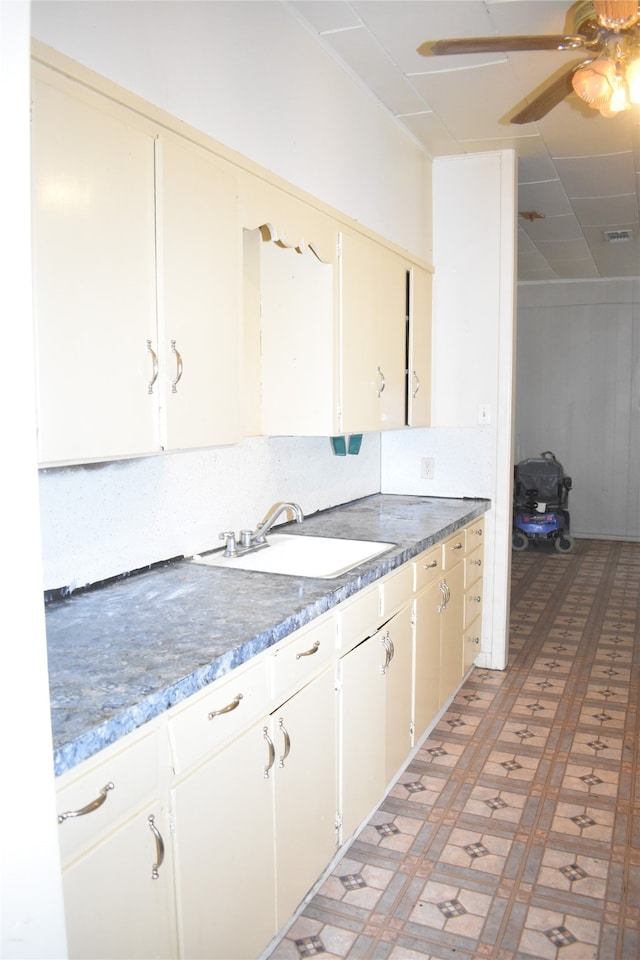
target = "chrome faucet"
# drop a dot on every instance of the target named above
(256, 539)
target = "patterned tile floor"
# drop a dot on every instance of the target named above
(514, 833)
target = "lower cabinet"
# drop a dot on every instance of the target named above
(199, 835)
(119, 895)
(375, 716)
(116, 855)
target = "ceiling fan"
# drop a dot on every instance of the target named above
(608, 80)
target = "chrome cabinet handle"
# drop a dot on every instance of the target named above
(272, 752)
(445, 593)
(90, 807)
(154, 367)
(416, 390)
(474, 639)
(310, 652)
(476, 599)
(388, 652)
(429, 566)
(235, 703)
(287, 742)
(151, 820)
(382, 383)
(476, 563)
(179, 367)
(456, 546)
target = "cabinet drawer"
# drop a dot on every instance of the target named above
(474, 534)
(108, 791)
(473, 566)
(300, 657)
(473, 602)
(427, 567)
(453, 549)
(214, 717)
(396, 590)
(358, 618)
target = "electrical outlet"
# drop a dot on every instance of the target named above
(427, 468)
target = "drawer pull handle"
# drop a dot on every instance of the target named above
(478, 532)
(90, 807)
(476, 563)
(179, 367)
(154, 367)
(456, 546)
(151, 820)
(474, 639)
(389, 651)
(272, 752)
(382, 383)
(310, 652)
(287, 742)
(229, 707)
(476, 599)
(429, 566)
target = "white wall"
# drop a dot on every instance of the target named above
(30, 889)
(578, 394)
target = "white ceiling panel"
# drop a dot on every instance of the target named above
(580, 171)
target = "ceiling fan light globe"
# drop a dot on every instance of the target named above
(595, 83)
(633, 80)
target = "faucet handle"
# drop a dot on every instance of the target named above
(229, 538)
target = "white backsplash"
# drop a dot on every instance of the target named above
(100, 520)
(462, 462)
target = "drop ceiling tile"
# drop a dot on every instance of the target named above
(562, 228)
(574, 269)
(565, 250)
(607, 175)
(472, 101)
(548, 198)
(326, 15)
(537, 167)
(429, 130)
(403, 25)
(607, 210)
(360, 51)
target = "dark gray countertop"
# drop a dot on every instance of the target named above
(122, 653)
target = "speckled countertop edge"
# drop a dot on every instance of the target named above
(122, 654)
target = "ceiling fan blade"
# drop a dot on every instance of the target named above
(489, 45)
(550, 97)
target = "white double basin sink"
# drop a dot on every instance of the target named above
(298, 556)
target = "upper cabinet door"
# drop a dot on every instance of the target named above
(199, 269)
(94, 277)
(419, 368)
(373, 305)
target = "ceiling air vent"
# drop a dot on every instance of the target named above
(617, 236)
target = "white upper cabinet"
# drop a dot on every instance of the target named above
(373, 323)
(419, 348)
(95, 284)
(199, 265)
(137, 281)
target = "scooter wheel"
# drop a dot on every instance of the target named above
(519, 541)
(564, 543)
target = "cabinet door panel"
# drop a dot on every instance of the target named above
(224, 849)
(199, 270)
(94, 278)
(114, 907)
(427, 659)
(398, 694)
(359, 379)
(306, 790)
(362, 732)
(391, 337)
(451, 649)
(419, 371)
